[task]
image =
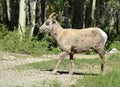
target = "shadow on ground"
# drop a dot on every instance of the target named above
(75, 73)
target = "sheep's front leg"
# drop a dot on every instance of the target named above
(62, 56)
(71, 64)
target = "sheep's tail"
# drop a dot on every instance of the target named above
(104, 36)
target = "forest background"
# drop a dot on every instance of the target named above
(20, 21)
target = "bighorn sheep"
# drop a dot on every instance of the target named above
(72, 41)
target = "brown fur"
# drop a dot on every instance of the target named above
(72, 41)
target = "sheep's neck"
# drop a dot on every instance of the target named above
(56, 33)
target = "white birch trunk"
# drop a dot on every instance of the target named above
(22, 18)
(8, 9)
(33, 17)
(93, 12)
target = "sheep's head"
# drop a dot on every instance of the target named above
(50, 24)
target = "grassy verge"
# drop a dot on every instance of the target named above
(110, 79)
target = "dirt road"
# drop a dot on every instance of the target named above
(10, 77)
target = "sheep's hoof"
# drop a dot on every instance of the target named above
(70, 73)
(54, 72)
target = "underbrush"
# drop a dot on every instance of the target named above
(115, 44)
(10, 42)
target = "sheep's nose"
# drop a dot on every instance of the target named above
(41, 29)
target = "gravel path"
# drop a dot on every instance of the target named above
(29, 78)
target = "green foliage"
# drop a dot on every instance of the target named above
(114, 4)
(114, 45)
(58, 5)
(10, 41)
(3, 31)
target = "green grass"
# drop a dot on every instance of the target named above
(65, 65)
(110, 79)
(51, 83)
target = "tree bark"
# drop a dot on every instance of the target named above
(93, 12)
(77, 19)
(28, 13)
(88, 13)
(22, 18)
(33, 17)
(8, 10)
(4, 12)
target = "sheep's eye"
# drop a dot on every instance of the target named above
(47, 23)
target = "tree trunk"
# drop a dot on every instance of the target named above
(33, 17)
(8, 10)
(28, 13)
(42, 12)
(93, 12)
(77, 20)
(4, 12)
(88, 13)
(22, 18)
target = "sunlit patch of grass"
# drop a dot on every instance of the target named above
(114, 61)
(65, 64)
(51, 83)
(110, 79)
(81, 62)
(44, 65)
(114, 57)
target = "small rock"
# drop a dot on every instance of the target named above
(113, 51)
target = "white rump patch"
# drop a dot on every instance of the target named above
(104, 35)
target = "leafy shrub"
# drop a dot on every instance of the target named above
(115, 44)
(10, 41)
(3, 31)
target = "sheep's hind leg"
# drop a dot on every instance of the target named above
(71, 64)
(101, 53)
(62, 56)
